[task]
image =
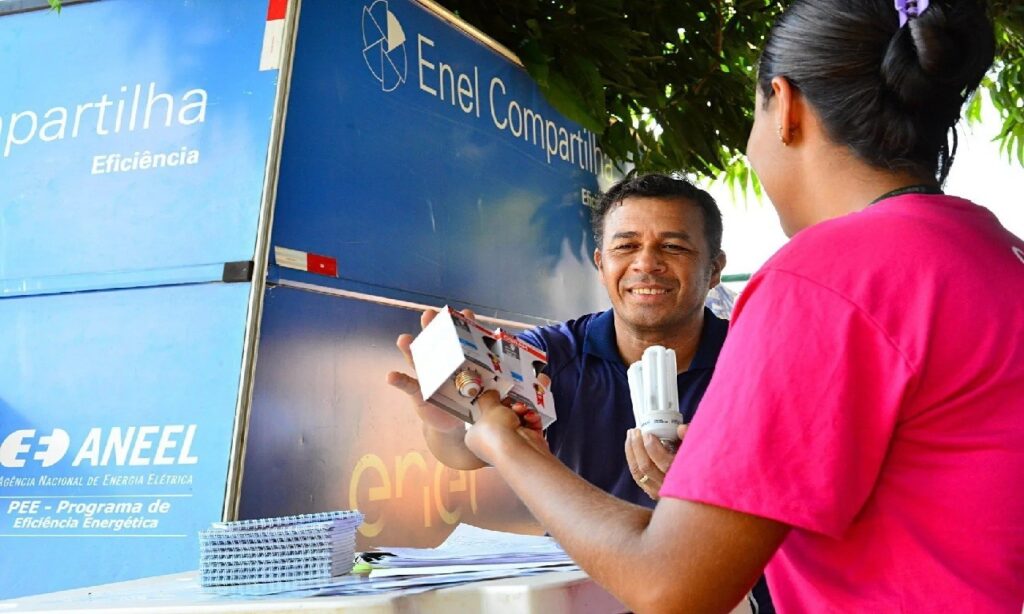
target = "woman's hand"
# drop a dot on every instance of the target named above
(500, 428)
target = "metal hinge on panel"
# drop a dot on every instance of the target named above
(237, 271)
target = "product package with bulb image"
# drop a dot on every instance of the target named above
(456, 360)
(522, 363)
(653, 389)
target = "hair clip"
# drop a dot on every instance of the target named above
(909, 9)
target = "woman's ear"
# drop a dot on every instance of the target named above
(788, 108)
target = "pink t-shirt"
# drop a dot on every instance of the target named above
(871, 395)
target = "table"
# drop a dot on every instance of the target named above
(568, 592)
(558, 592)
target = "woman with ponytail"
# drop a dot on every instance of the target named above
(862, 439)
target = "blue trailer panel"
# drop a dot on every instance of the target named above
(428, 165)
(133, 140)
(326, 431)
(116, 416)
(420, 166)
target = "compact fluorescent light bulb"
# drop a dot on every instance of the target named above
(655, 394)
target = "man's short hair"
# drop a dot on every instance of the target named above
(665, 187)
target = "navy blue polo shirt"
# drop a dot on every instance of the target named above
(591, 393)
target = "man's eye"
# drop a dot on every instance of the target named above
(672, 247)
(622, 247)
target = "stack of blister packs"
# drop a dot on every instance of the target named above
(293, 549)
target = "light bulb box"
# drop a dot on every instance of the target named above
(453, 347)
(521, 363)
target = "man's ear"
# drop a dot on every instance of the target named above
(717, 266)
(597, 259)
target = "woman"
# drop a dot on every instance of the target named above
(863, 436)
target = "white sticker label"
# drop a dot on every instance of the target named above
(290, 258)
(273, 42)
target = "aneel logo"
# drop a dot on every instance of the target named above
(48, 448)
(384, 45)
(129, 446)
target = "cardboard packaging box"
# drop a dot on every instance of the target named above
(522, 363)
(457, 359)
(455, 362)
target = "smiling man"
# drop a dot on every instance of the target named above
(659, 253)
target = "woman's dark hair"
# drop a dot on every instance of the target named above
(665, 187)
(891, 93)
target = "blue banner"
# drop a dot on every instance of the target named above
(418, 164)
(133, 137)
(133, 141)
(116, 414)
(429, 167)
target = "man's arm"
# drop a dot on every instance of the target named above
(684, 556)
(444, 433)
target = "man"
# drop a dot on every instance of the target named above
(658, 253)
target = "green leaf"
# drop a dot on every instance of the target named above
(567, 100)
(535, 61)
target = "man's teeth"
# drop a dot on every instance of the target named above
(649, 291)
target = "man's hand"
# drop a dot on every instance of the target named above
(649, 459)
(442, 431)
(433, 417)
